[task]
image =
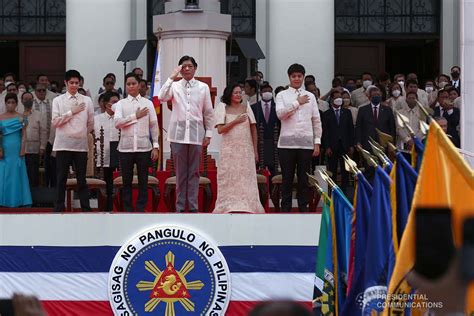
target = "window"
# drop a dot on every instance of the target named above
(243, 16)
(33, 17)
(366, 17)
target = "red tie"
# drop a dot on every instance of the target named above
(375, 114)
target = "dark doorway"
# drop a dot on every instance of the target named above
(418, 56)
(10, 57)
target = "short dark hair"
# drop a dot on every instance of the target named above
(333, 92)
(367, 73)
(442, 91)
(186, 58)
(450, 89)
(107, 77)
(336, 81)
(311, 83)
(252, 83)
(266, 86)
(227, 95)
(40, 75)
(72, 74)
(310, 77)
(131, 75)
(11, 96)
(12, 84)
(296, 68)
(137, 68)
(455, 67)
(26, 92)
(111, 74)
(10, 74)
(412, 92)
(145, 81)
(109, 95)
(279, 89)
(411, 81)
(101, 97)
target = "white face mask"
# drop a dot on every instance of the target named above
(396, 93)
(442, 84)
(338, 101)
(429, 89)
(401, 83)
(366, 83)
(267, 96)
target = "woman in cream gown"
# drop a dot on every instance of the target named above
(237, 189)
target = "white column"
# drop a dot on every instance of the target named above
(201, 35)
(467, 74)
(96, 32)
(296, 31)
(450, 33)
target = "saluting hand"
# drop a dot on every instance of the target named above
(176, 72)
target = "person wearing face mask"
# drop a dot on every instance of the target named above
(396, 100)
(359, 96)
(430, 89)
(443, 81)
(371, 116)
(338, 137)
(346, 103)
(414, 115)
(36, 138)
(446, 109)
(107, 154)
(456, 75)
(268, 128)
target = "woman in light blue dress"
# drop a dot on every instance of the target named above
(14, 184)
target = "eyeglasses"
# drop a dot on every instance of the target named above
(40, 90)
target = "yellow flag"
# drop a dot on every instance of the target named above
(445, 180)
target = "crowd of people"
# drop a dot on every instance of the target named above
(287, 130)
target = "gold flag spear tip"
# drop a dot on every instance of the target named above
(384, 138)
(367, 156)
(403, 121)
(314, 182)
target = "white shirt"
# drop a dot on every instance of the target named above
(300, 124)
(192, 116)
(135, 133)
(323, 106)
(72, 130)
(104, 123)
(414, 116)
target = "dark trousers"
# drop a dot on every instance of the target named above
(291, 160)
(49, 167)
(335, 160)
(109, 187)
(127, 161)
(77, 159)
(32, 168)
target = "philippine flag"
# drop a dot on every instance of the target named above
(66, 259)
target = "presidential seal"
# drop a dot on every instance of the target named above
(169, 271)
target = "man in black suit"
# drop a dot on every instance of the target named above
(268, 129)
(456, 77)
(447, 110)
(374, 115)
(338, 136)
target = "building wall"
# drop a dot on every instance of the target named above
(96, 32)
(450, 35)
(301, 32)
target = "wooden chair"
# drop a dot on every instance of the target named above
(94, 183)
(204, 182)
(153, 186)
